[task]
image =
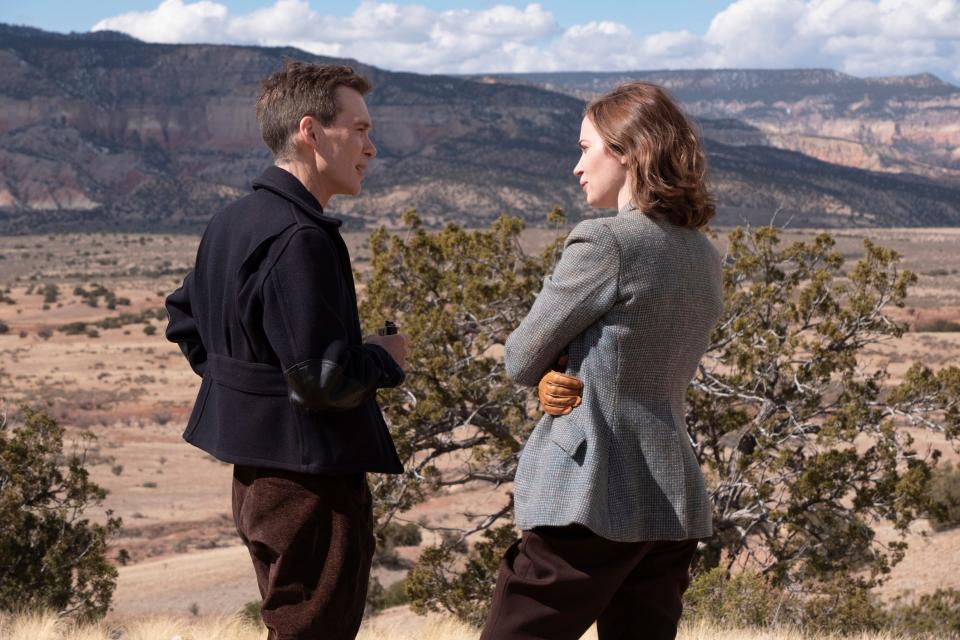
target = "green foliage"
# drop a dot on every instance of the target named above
(743, 601)
(780, 399)
(390, 536)
(938, 325)
(396, 594)
(444, 581)
(750, 600)
(50, 293)
(773, 412)
(457, 294)
(841, 607)
(251, 612)
(945, 496)
(73, 328)
(394, 534)
(936, 614)
(375, 599)
(52, 557)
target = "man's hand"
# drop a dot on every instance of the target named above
(559, 393)
(395, 344)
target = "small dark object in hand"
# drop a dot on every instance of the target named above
(389, 328)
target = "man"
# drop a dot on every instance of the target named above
(269, 318)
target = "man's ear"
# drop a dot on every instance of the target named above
(310, 131)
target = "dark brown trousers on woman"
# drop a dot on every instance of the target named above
(311, 541)
(556, 581)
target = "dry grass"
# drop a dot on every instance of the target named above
(49, 627)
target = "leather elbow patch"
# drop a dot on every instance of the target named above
(321, 385)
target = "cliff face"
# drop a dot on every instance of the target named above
(900, 124)
(101, 131)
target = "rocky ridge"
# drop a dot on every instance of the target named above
(102, 131)
(904, 124)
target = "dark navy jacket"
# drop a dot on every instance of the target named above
(269, 318)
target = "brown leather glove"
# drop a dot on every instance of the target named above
(559, 393)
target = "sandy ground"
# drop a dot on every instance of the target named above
(215, 581)
(134, 391)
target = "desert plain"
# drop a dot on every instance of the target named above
(84, 341)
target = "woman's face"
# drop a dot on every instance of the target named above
(602, 173)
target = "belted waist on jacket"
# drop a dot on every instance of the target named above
(244, 415)
(251, 377)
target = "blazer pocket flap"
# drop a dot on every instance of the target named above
(568, 436)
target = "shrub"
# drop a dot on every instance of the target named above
(51, 293)
(779, 395)
(402, 535)
(54, 558)
(936, 614)
(940, 325)
(744, 600)
(843, 608)
(375, 596)
(945, 494)
(437, 583)
(396, 594)
(251, 612)
(4, 327)
(73, 328)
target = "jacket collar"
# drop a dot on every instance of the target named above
(629, 208)
(286, 185)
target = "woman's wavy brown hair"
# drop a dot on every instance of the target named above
(665, 159)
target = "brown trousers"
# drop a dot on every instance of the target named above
(311, 541)
(556, 581)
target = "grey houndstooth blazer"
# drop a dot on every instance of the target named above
(633, 300)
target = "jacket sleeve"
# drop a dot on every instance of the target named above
(304, 320)
(182, 328)
(582, 288)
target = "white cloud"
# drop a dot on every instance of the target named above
(864, 37)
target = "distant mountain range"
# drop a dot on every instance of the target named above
(900, 124)
(102, 131)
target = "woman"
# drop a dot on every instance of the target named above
(609, 496)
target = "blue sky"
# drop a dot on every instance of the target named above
(860, 37)
(640, 17)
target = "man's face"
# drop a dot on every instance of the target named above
(344, 149)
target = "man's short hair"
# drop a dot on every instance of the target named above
(301, 89)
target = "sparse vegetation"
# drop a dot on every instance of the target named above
(50, 293)
(54, 558)
(244, 627)
(778, 399)
(936, 615)
(938, 325)
(91, 297)
(945, 498)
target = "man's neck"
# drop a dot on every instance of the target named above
(308, 176)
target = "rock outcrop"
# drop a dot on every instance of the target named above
(102, 131)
